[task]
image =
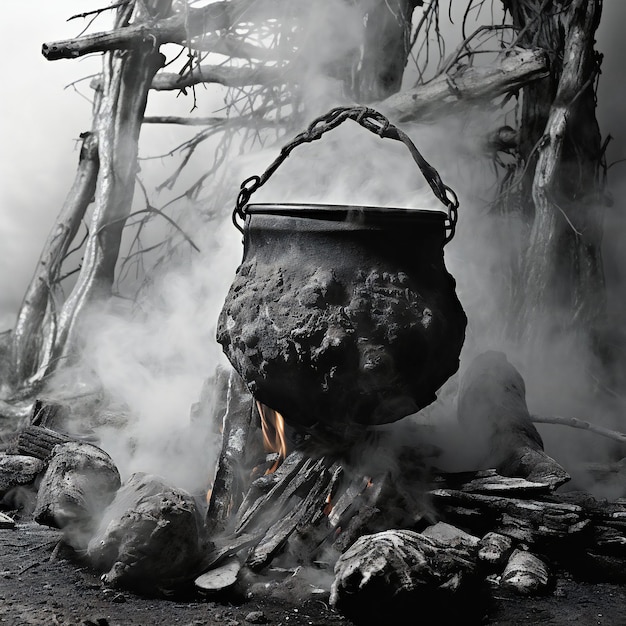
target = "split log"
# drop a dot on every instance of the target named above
(492, 409)
(6, 521)
(150, 537)
(297, 515)
(229, 485)
(400, 572)
(79, 482)
(221, 578)
(548, 519)
(39, 442)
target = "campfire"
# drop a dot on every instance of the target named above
(374, 520)
(326, 472)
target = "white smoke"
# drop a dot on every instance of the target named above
(154, 357)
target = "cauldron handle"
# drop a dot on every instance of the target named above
(375, 122)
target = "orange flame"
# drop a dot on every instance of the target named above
(273, 428)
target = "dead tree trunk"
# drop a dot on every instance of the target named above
(127, 76)
(32, 339)
(561, 150)
(386, 47)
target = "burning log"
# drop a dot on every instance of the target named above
(492, 408)
(79, 482)
(151, 536)
(229, 485)
(405, 572)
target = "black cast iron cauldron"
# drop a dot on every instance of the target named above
(343, 315)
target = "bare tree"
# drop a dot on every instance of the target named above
(543, 50)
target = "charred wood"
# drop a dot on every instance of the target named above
(39, 442)
(229, 485)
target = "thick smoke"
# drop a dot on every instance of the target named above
(152, 358)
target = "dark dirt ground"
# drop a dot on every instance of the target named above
(42, 583)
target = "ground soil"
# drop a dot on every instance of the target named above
(42, 582)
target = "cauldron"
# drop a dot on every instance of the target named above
(343, 315)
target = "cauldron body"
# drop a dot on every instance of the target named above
(343, 315)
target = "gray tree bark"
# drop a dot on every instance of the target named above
(561, 193)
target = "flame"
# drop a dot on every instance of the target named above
(273, 428)
(328, 505)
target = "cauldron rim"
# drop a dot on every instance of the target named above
(342, 212)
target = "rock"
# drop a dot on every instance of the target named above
(494, 549)
(493, 412)
(451, 536)
(401, 571)
(256, 617)
(78, 484)
(525, 574)
(18, 469)
(150, 537)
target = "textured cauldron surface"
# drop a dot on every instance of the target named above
(342, 315)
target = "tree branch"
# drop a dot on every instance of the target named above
(228, 76)
(178, 28)
(574, 422)
(446, 92)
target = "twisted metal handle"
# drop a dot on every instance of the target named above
(375, 122)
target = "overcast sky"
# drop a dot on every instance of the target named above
(40, 121)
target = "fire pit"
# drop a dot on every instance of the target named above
(344, 314)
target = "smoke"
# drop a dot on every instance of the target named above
(153, 357)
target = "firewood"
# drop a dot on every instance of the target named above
(290, 468)
(18, 469)
(489, 481)
(220, 578)
(296, 515)
(228, 487)
(547, 518)
(6, 521)
(38, 441)
(79, 482)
